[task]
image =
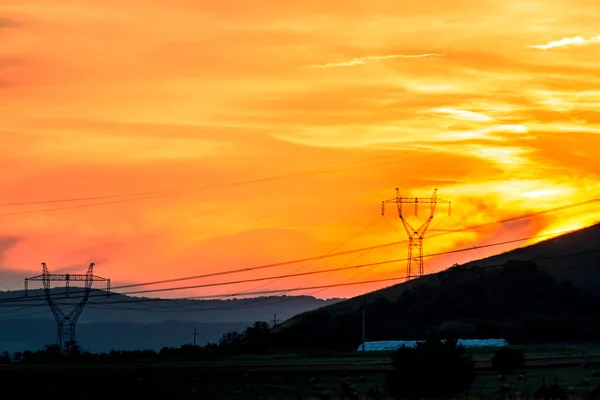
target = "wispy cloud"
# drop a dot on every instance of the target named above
(236, 87)
(569, 41)
(463, 114)
(364, 60)
(8, 23)
(489, 133)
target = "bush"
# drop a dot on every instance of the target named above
(507, 360)
(433, 369)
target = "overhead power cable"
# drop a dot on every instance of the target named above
(378, 246)
(447, 271)
(378, 263)
(171, 192)
(256, 301)
(323, 271)
(265, 266)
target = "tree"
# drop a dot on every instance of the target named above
(435, 368)
(231, 342)
(51, 353)
(72, 350)
(507, 360)
(258, 337)
(17, 357)
(5, 358)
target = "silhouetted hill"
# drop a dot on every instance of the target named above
(547, 291)
(128, 323)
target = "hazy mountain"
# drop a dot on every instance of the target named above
(123, 322)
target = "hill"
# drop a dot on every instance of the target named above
(544, 292)
(130, 323)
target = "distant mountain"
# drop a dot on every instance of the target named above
(544, 292)
(127, 323)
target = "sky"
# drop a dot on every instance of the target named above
(495, 104)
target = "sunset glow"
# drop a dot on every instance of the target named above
(493, 103)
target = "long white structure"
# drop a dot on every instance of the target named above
(392, 345)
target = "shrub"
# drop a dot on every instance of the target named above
(507, 360)
(435, 368)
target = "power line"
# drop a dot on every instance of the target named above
(373, 264)
(5, 317)
(358, 234)
(170, 192)
(354, 236)
(353, 260)
(263, 299)
(247, 269)
(447, 271)
(335, 254)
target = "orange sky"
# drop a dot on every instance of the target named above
(495, 103)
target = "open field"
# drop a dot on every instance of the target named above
(292, 376)
(191, 382)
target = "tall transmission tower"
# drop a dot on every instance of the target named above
(65, 337)
(414, 267)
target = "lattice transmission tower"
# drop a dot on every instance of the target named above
(66, 320)
(414, 266)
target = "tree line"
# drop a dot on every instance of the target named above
(254, 339)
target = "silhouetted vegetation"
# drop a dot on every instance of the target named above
(518, 302)
(437, 369)
(507, 360)
(255, 339)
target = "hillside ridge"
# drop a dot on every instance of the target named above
(520, 289)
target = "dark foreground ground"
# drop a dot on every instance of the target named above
(289, 377)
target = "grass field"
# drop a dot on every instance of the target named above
(189, 382)
(289, 376)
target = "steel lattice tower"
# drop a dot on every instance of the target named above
(66, 321)
(414, 267)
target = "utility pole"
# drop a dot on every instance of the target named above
(414, 267)
(65, 322)
(364, 335)
(195, 334)
(275, 320)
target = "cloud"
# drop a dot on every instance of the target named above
(6, 242)
(8, 61)
(464, 114)
(234, 98)
(365, 60)
(569, 41)
(9, 23)
(10, 278)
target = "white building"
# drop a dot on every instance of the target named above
(392, 345)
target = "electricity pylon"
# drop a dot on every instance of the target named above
(414, 266)
(66, 321)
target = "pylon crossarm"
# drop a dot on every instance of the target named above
(411, 200)
(35, 278)
(99, 278)
(423, 200)
(67, 277)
